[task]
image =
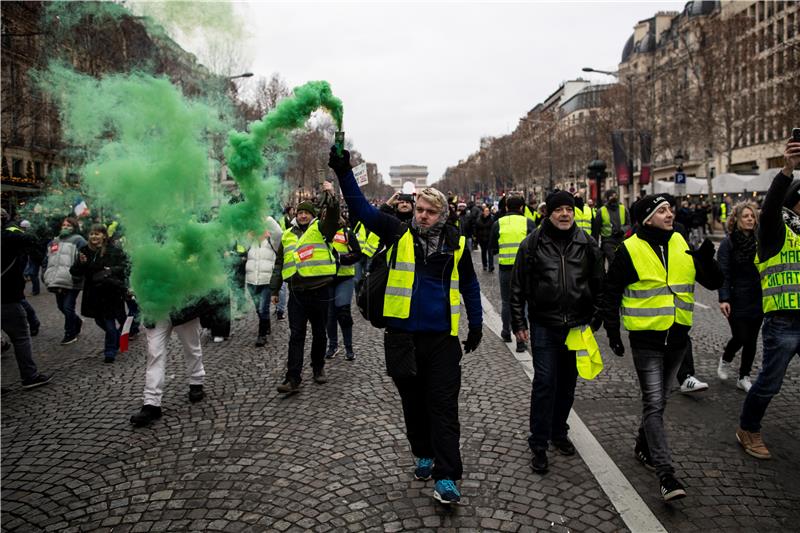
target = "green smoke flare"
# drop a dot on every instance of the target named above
(150, 164)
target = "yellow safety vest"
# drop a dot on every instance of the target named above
(530, 215)
(308, 255)
(513, 229)
(605, 230)
(780, 276)
(369, 242)
(340, 245)
(580, 339)
(723, 212)
(583, 218)
(661, 297)
(400, 284)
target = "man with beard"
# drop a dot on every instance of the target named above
(429, 271)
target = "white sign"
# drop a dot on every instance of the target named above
(360, 172)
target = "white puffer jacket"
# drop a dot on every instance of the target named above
(261, 256)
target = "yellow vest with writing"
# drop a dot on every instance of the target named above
(340, 245)
(780, 276)
(513, 229)
(661, 296)
(400, 284)
(308, 256)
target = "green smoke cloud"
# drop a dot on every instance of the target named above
(150, 164)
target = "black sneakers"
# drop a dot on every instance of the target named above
(261, 341)
(289, 386)
(671, 488)
(563, 446)
(38, 381)
(506, 336)
(68, 340)
(146, 416)
(196, 393)
(521, 347)
(539, 462)
(320, 377)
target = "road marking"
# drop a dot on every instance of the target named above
(632, 509)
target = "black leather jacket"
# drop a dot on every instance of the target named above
(560, 280)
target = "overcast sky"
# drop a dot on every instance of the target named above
(421, 83)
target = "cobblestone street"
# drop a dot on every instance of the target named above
(334, 457)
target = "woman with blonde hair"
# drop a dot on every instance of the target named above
(740, 294)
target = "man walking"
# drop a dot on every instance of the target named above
(305, 258)
(507, 234)
(558, 273)
(651, 283)
(611, 224)
(778, 263)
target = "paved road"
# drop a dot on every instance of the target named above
(334, 456)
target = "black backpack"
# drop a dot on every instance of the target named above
(372, 287)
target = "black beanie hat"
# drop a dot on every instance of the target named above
(307, 206)
(648, 205)
(556, 199)
(792, 195)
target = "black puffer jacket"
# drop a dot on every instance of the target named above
(560, 280)
(483, 229)
(742, 285)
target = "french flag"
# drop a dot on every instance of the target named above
(81, 209)
(125, 336)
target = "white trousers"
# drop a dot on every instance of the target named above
(157, 340)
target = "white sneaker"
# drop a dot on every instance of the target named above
(218, 339)
(692, 384)
(744, 384)
(724, 369)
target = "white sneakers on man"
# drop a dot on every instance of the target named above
(692, 384)
(724, 369)
(744, 384)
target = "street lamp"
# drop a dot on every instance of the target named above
(245, 75)
(632, 127)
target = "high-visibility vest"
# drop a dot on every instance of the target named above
(661, 296)
(368, 241)
(723, 212)
(340, 245)
(529, 214)
(308, 255)
(588, 360)
(780, 276)
(513, 229)
(400, 284)
(583, 218)
(605, 216)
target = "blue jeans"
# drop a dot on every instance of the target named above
(261, 299)
(109, 325)
(553, 391)
(15, 324)
(339, 312)
(656, 370)
(33, 320)
(281, 308)
(32, 271)
(781, 340)
(65, 300)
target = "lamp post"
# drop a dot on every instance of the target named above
(631, 119)
(245, 75)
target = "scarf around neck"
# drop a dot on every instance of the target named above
(744, 246)
(429, 237)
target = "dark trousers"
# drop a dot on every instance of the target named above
(32, 271)
(504, 276)
(744, 333)
(430, 403)
(553, 390)
(656, 369)
(781, 339)
(261, 299)
(687, 365)
(487, 258)
(30, 313)
(112, 333)
(218, 319)
(304, 307)
(15, 324)
(609, 247)
(133, 310)
(65, 301)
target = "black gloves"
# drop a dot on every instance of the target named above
(615, 341)
(596, 323)
(705, 252)
(473, 339)
(340, 163)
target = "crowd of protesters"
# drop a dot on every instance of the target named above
(565, 267)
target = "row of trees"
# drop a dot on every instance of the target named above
(713, 85)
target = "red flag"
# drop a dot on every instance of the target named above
(126, 330)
